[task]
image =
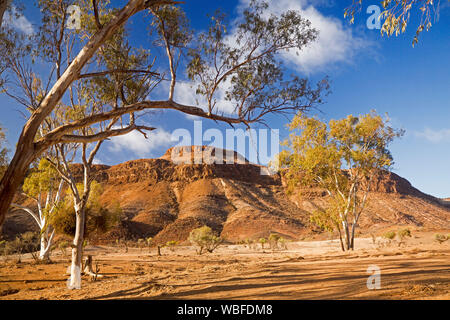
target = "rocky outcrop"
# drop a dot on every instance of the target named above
(166, 199)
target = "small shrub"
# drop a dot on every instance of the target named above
(440, 238)
(171, 245)
(204, 239)
(27, 242)
(249, 243)
(273, 241)
(282, 243)
(402, 234)
(390, 235)
(262, 241)
(149, 242)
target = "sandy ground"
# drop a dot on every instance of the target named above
(420, 269)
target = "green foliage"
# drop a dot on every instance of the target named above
(329, 219)
(24, 243)
(41, 179)
(205, 239)
(340, 157)
(171, 245)
(390, 235)
(273, 240)
(441, 238)
(282, 242)
(403, 233)
(262, 241)
(319, 153)
(99, 219)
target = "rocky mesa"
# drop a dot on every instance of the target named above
(192, 186)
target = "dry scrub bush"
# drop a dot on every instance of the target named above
(171, 245)
(204, 239)
(262, 241)
(441, 238)
(402, 234)
(25, 243)
(273, 241)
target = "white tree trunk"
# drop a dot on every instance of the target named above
(44, 252)
(74, 281)
(46, 244)
(346, 235)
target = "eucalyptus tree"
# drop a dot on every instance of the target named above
(44, 187)
(96, 94)
(342, 157)
(247, 67)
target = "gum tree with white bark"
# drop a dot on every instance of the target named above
(44, 188)
(342, 158)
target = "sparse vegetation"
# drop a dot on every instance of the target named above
(205, 239)
(402, 234)
(249, 243)
(171, 245)
(441, 238)
(25, 243)
(390, 235)
(273, 241)
(149, 242)
(282, 242)
(262, 241)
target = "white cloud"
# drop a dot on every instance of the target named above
(18, 21)
(434, 136)
(136, 142)
(335, 44)
(97, 161)
(185, 93)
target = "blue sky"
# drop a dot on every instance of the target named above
(367, 71)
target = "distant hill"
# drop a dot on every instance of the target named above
(166, 200)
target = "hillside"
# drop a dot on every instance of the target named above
(166, 199)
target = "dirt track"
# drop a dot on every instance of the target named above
(307, 270)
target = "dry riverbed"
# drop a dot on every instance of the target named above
(306, 270)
